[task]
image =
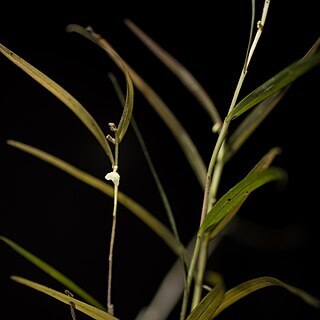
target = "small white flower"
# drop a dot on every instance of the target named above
(114, 177)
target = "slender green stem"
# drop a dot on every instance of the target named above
(216, 177)
(200, 272)
(218, 151)
(190, 277)
(110, 306)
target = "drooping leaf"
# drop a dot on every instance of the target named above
(235, 294)
(128, 106)
(52, 272)
(236, 195)
(273, 85)
(179, 71)
(259, 113)
(158, 105)
(85, 308)
(145, 216)
(64, 96)
(208, 305)
(128, 103)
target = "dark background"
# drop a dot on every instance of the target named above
(67, 223)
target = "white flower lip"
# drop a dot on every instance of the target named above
(114, 177)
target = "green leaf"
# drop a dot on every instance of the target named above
(63, 96)
(145, 216)
(259, 113)
(236, 195)
(208, 305)
(158, 105)
(128, 106)
(179, 71)
(52, 272)
(262, 165)
(235, 294)
(266, 160)
(77, 304)
(252, 121)
(282, 79)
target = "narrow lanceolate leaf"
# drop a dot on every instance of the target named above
(259, 113)
(262, 165)
(158, 105)
(208, 305)
(128, 106)
(54, 273)
(63, 96)
(266, 160)
(252, 121)
(179, 71)
(235, 294)
(282, 79)
(145, 216)
(85, 308)
(128, 103)
(236, 195)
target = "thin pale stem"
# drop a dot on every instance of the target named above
(219, 151)
(216, 177)
(200, 273)
(191, 270)
(110, 306)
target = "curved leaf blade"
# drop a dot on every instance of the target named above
(174, 125)
(236, 195)
(280, 80)
(144, 215)
(64, 96)
(52, 272)
(237, 293)
(85, 308)
(127, 109)
(181, 72)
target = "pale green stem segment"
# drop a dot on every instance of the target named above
(200, 273)
(190, 275)
(221, 139)
(110, 306)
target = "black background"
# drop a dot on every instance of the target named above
(68, 224)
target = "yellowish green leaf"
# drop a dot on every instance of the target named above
(85, 308)
(237, 195)
(183, 74)
(64, 96)
(235, 294)
(145, 216)
(273, 85)
(52, 272)
(208, 305)
(259, 113)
